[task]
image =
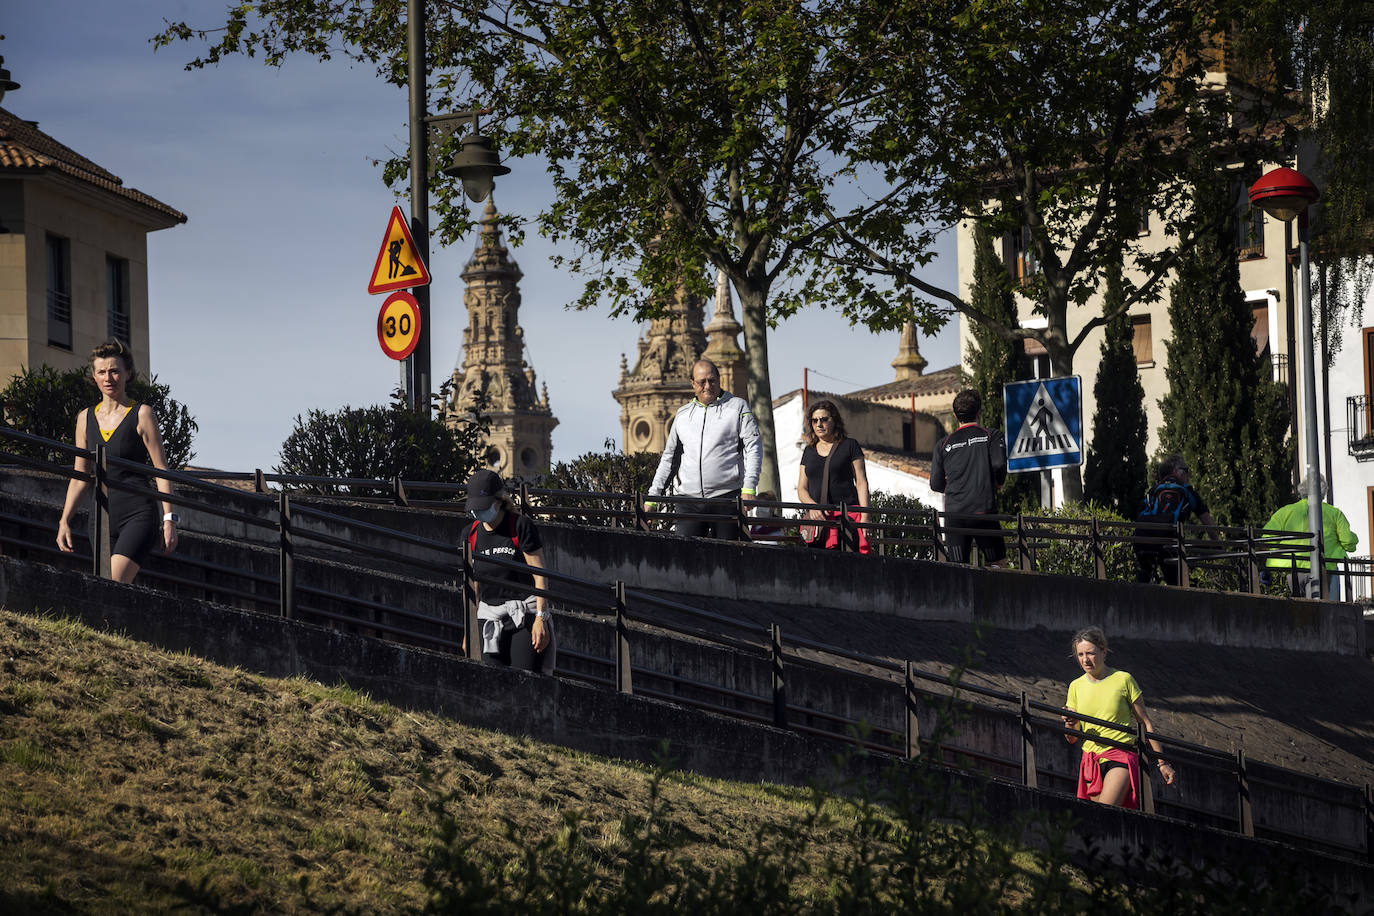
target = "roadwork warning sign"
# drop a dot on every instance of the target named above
(1044, 423)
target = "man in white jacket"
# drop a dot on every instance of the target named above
(715, 450)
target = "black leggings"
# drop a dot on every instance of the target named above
(516, 649)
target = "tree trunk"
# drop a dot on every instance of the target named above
(754, 309)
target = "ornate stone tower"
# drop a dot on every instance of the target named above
(722, 346)
(662, 378)
(519, 443)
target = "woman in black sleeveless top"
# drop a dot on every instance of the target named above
(130, 431)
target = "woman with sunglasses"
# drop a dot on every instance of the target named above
(832, 472)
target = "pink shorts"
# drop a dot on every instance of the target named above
(1090, 774)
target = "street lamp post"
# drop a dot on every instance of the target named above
(1285, 194)
(476, 165)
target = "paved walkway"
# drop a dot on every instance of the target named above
(1309, 712)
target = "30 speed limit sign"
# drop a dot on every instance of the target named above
(398, 325)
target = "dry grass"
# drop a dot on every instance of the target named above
(129, 775)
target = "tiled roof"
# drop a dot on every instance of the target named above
(23, 147)
(941, 381)
(916, 465)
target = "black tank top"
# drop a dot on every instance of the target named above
(126, 443)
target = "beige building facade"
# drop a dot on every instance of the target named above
(73, 253)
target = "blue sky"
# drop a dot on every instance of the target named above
(259, 304)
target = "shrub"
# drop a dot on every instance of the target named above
(381, 443)
(1075, 557)
(45, 401)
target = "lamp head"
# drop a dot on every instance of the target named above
(1283, 193)
(477, 166)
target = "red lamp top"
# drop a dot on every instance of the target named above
(1283, 193)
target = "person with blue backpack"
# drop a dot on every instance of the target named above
(1171, 501)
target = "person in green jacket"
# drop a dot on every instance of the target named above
(1337, 541)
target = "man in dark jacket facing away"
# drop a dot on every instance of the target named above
(968, 466)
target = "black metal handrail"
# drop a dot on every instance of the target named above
(636, 611)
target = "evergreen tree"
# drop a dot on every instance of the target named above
(992, 361)
(1116, 468)
(1223, 412)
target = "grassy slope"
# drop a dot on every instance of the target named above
(133, 780)
(125, 772)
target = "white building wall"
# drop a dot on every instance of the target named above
(787, 421)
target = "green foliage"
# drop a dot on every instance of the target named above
(45, 401)
(1116, 467)
(1223, 412)
(909, 511)
(1075, 557)
(380, 443)
(611, 471)
(1325, 51)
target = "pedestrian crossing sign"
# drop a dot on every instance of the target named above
(1044, 423)
(399, 265)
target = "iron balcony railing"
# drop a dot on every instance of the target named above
(1359, 417)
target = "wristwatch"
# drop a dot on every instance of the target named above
(171, 517)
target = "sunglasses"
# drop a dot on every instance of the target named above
(819, 420)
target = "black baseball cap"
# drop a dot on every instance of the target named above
(483, 488)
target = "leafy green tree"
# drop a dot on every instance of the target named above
(381, 443)
(1223, 413)
(1056, 117)
(1116, 467)
(610, 471)
(678, 135)
(1324, 52)
(45, 401)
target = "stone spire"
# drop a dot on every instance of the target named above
(519, 443)
(722, 346)
(661, 380)
(909, 362)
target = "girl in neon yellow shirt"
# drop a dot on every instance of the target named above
(1108, 774)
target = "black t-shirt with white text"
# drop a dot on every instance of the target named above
(514, 536)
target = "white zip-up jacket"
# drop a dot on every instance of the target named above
(721, 449)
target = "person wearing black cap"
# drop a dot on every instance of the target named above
(517, 629)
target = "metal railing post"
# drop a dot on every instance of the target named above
(913, 722)
(1147, 792)
(1255, 585)
(1099, 553)
(937, 538)
(1023, 546)
(779, 682)
(100, 514)
(259, 481)
(398, 492)
(1181, 561)
(286, 600)
(472, 627)
(641, 520)
(842, 533)
(624, 673)
(1244, 815)
(1368, 823)
(1029, 777)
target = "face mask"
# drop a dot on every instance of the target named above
(488, 515)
